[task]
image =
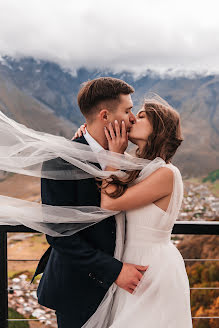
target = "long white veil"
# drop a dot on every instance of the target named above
(25, 151)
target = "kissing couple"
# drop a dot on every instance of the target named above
(143, 284)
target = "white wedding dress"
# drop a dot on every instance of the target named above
(162, 298)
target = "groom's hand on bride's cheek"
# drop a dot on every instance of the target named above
(130, 276)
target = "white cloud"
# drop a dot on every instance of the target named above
(117, 34)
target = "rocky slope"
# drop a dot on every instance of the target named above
(48, 85)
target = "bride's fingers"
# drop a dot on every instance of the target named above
(107, 135)
(79, 133)
(75, 136)
(83, 130)
(117, 129)
(111, 131)
(123, 130)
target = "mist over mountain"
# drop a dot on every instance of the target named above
(40, 88)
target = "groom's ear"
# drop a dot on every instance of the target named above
(104, 115)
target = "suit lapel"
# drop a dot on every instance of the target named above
(82, 140)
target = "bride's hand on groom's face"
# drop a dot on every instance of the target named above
(80, 131)
(117, 137)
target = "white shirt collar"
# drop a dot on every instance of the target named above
(94, 145)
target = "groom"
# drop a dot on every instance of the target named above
(79, 269)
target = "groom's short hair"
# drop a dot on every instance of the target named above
(101, 91)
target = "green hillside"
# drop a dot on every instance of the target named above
(212, 176)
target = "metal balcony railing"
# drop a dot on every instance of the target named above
(180, 227)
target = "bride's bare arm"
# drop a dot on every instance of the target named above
(155, 187)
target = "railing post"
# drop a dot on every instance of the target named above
(3, 281)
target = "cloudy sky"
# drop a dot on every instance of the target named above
(118, 34)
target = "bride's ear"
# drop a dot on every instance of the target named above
(104, 115)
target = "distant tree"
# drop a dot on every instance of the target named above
(204, 303)
(212, 176)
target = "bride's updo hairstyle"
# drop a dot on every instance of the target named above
(163, 142)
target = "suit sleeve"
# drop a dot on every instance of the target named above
(99, 266)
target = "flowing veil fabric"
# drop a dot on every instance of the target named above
(23, 150)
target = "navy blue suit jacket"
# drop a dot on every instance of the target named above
(79, 269)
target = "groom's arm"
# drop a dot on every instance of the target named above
(99, 266)
(96, 264)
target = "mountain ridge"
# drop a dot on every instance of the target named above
(196, 98)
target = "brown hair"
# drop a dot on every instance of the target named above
(163, 142)
(102, 90)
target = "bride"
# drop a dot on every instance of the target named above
(150, 192)
(162, 298)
